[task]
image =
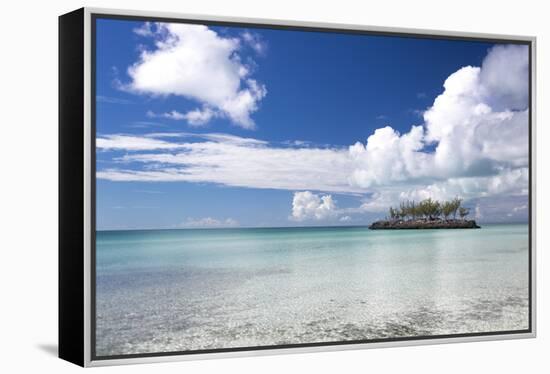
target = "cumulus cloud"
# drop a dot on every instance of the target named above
(208, 222)
(511, 182)
(388, 157)
(479, 127)
(194, 62)
(472, 137)
(505, 77)
(309, 206)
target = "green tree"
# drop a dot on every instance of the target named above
(432, 208)
(403, 210)
(436, 209)
(392, 213)
(447, 208)
(456, 202)
(463, 212)
(428, 209)
(413, 209)
(424, 208)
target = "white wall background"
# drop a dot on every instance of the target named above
(28, 198)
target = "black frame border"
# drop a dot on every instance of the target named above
(97, 15)
(71, 187)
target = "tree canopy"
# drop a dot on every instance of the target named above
(429, 209)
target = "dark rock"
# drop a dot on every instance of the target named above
(424, 224)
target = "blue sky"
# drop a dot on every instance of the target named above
(303, 100)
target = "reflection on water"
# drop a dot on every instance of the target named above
(160, 291)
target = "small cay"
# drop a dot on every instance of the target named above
(427, 214)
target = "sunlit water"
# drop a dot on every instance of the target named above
(174, 290)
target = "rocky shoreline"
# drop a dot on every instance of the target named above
(423, 224)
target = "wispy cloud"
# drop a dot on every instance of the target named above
(111, 100)
(195, 118)
(520, 208)
(133, 143)
(208, 223)
(173, 115)
(255, 41)
(152, 192)
(226, 159)
(144, 125)
(417, 112)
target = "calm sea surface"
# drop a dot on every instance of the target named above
(174, 290)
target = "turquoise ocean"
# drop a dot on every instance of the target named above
(193, 289)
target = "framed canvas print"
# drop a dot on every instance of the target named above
(239, 186)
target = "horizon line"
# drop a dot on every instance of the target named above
(276, 227)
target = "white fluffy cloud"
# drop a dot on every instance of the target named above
(479, 127)
(505, 77)
(471, 136)
(307, 205)
(195, 62)
(510, 182)
(389, 157)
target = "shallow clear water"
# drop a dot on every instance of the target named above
(174, 290)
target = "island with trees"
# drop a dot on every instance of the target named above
(427, 214)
